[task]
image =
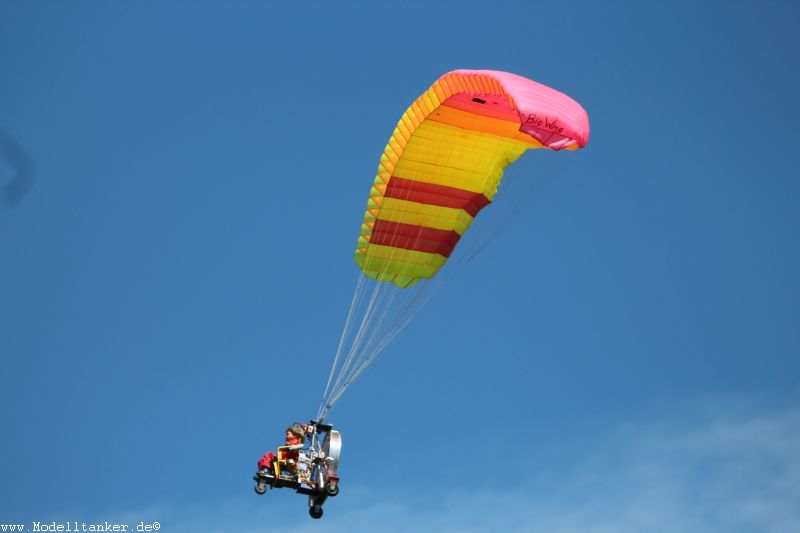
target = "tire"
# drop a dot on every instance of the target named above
(315, 512)
(261, 488)
(332, 489)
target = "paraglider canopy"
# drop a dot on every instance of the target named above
(444, 162)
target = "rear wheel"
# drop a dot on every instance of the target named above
(261, 488)
(315, 512)
(332, 489)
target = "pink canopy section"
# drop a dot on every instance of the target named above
(549, 116)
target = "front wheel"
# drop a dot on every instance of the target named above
(261, 488)
(315, 512)
(332, 489)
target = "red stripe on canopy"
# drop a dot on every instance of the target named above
(412, 237)
(439, 195)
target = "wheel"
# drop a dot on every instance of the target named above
(261, 488)
(332, 489)
(315, 512)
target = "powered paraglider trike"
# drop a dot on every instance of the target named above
(309, 468)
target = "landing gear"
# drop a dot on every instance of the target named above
(261, 487)
(315, 512)
(332, 489)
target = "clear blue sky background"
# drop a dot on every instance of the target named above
(172, 289)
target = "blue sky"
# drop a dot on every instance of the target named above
(623, 357)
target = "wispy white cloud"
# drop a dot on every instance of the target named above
(711, 471)
(717, 471)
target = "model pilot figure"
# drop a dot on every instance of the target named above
(295, 435)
